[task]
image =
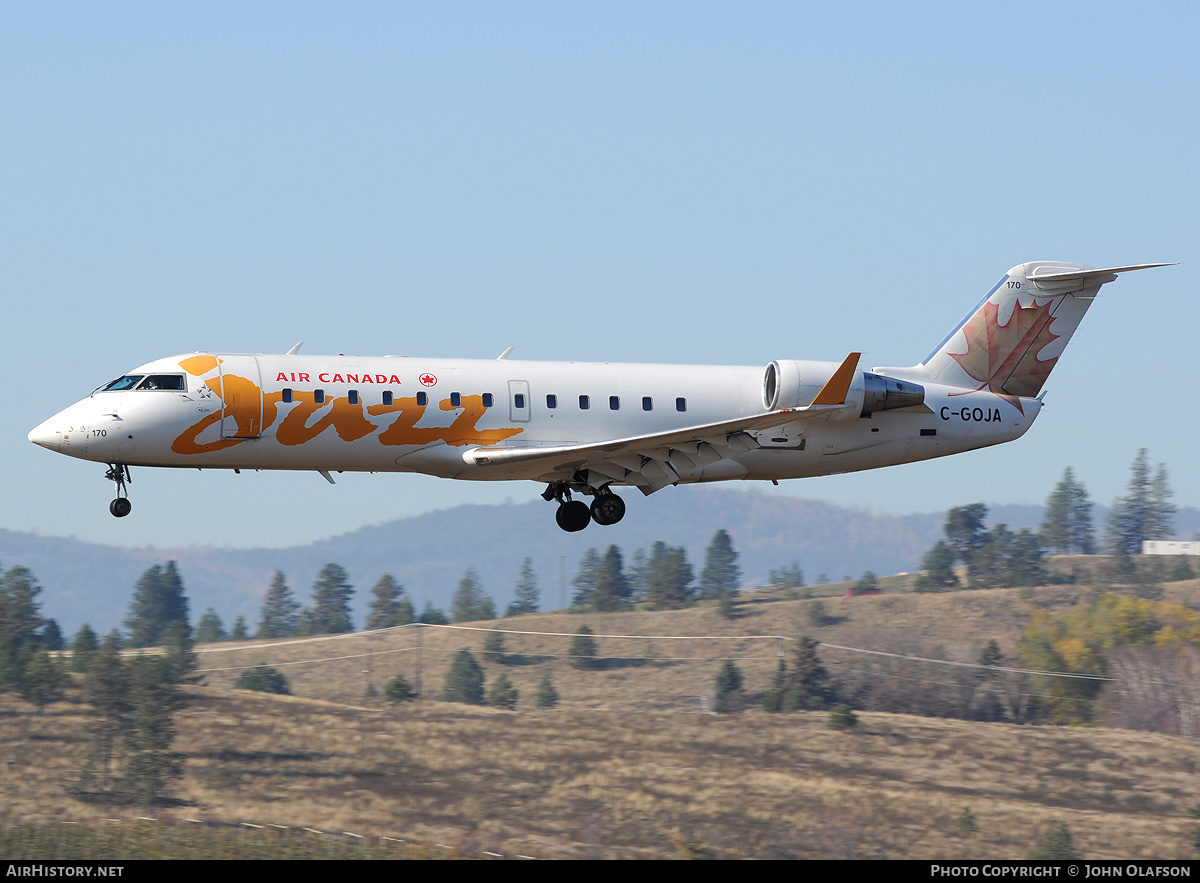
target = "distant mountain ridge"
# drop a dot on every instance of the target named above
(428, 554)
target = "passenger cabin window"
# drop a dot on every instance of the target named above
(614, 403)
(387, 397)
(551, 401)
(422, 399)
(647, 403)
(584, 403)
(488, 400)
(353, 396)
(519, 400)
(681, 404)
(319, 396)
(287, 396)
(455, 400)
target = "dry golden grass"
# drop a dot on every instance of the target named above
(626, 766)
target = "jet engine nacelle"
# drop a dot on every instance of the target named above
(794, 384)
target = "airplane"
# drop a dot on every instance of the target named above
(583, 428)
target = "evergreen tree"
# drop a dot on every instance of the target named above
(582, 652)
(20, 624)
(612, 588)
(331, 601)
(669, 577)
(464, 683)
(210, 630)
(1160, 514)
(804, 684)
(470, 604)
(526, 595)
(790, 576)
(148, 729)
(966, 534)
(502, 693)
(83, 647)
(399, 690)
(721, 575)
(1067, 526)
(546, 696)
(158, 601)
(728, 686)
(432, 615)
(585, 579)
(52, 636)
(1144, 513)
(937, 570)
(264, 679)
(107, 691)
(279, 610)
(390, 606)
(493, 647)
(1056, 844)
(43, 678)
(239, 631)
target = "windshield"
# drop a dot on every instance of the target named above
(129, 381)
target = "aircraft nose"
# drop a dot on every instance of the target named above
(47, 436)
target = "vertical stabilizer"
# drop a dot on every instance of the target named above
(1013, 338)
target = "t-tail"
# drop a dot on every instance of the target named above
(1010, 342)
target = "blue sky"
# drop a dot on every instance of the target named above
(697, 183)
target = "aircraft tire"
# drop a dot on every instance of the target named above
(573, 516)
(120, 507)
(608, 509)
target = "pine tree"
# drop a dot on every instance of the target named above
(83, 647)
(390, 606)
(399, 690)
(612, 588)
(721, 575)
(669, 577)
(1160, 514)
(526, 595)
(546, 696)
(470, 604)
(502, 693)
(729, 684)
(279, 610)
(937, 570)
(264, 679)
(210, 630)
(582, 652)
(1128, 518)
(966, 534)
(585, 579)
(1067, 526)
(331, 601)
(239, 631)
(158, 600)
(464, 683)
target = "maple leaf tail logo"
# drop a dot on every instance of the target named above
(1004, 358)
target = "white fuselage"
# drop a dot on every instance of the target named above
(392, 414)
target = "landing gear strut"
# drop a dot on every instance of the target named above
(119, 475)
(575, 515)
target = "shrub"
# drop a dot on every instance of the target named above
(264, 679)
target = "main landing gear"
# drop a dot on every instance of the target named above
(575, 515)
(119, 475)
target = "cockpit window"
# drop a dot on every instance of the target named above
(129, 381)
(162, 381)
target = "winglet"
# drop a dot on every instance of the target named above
(834, 392)
(294, 350)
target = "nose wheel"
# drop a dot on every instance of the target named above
(119, 475)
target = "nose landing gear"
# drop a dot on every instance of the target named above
(119, 475)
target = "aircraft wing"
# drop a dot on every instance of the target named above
(651, 462)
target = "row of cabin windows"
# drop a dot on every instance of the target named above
(585, 402)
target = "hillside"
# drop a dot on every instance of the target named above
(628, 765)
